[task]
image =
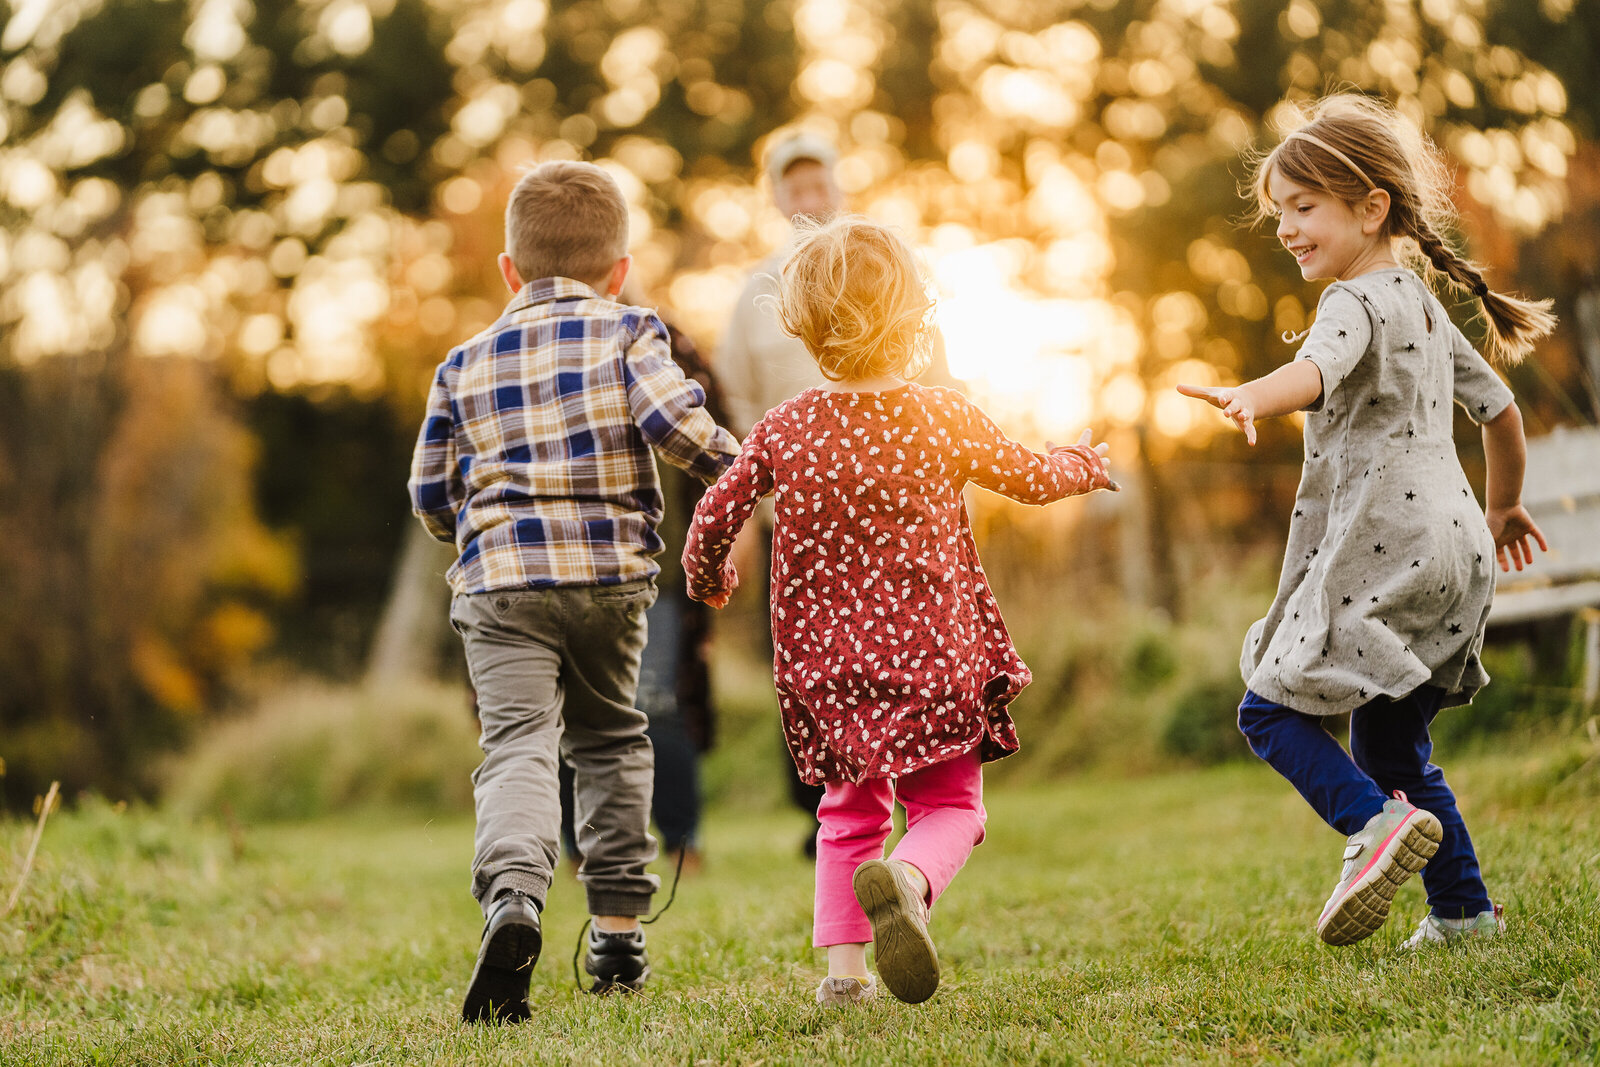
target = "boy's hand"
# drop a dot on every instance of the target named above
(1514, 532)
(1232, 400)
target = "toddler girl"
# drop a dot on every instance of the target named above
(1387, 579)
(892, 665)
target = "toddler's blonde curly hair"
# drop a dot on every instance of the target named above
(853, 293)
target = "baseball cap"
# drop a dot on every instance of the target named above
(795, 147)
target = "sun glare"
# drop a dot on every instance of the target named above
(1024, 357)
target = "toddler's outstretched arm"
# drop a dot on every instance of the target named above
(1505, 454)
(718, 518)
(1289, 388)
(1001, 465)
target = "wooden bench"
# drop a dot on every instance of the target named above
(1562, 493)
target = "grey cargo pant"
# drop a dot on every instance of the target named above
(557, 669)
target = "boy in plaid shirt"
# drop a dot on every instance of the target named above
(534, 459)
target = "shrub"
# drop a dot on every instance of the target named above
(312, 750)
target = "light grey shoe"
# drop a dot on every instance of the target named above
(1395, 844)
(845, 990)
(1434, 930)
(907, 961)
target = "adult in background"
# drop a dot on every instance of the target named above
(760, 366)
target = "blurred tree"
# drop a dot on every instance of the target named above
(304, 195)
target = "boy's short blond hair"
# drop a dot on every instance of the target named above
(853, 293)
(566, 219)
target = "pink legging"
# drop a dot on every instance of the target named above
(944, 820)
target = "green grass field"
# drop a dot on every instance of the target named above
(1157, 920)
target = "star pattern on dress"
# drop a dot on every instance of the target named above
(1402, 398)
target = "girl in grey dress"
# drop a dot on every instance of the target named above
(1387, 579)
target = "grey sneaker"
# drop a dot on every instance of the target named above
(907, 961)
(841, 992)
(1434, 930)
(1395, 844)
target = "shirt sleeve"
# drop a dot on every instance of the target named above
(722, 513)
(986, 456)
(437, 491)
(669, 409)
(1338, 339)
(1477, 387)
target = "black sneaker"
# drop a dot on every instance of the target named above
(616, 961)
(498, 991)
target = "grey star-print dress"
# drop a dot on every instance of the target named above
(1388, 575)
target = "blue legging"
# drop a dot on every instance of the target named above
(1389, 749)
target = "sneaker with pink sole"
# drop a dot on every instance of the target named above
(1395, 844)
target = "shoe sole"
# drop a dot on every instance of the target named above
(498, 991)
(1364, 908)
(907, 960)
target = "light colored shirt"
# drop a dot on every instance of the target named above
(758, 365)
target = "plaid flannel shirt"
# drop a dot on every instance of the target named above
(534, 456)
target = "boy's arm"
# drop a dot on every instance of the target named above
(987, 457)
(435, 484)
(718, 518)
(669, 409)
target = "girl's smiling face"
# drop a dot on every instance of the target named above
(1326, 236)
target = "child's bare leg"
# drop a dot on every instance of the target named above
(616, 924)
(847, 961)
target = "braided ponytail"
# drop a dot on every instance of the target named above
(1514, 323)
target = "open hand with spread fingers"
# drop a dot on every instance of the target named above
(1515, 533)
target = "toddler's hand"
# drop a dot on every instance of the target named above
(1234, 403)
(719, 597)
(1085, 442)
(1514, 532)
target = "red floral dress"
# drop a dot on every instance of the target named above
(890, 653)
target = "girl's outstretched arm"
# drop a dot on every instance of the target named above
(1505, 454)
(1289, 388)
(718, 518)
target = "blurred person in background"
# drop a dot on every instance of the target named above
(675, 673)
(760, 366)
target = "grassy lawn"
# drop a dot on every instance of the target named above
(1155, 920)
